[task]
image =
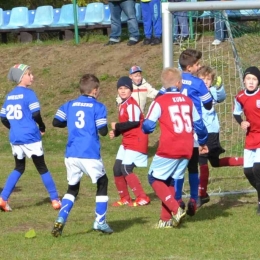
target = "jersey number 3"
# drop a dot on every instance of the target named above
(180, 116)
(14, 112)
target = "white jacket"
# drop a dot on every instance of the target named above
(141, 93)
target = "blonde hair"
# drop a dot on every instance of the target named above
(87, 83)
(206, 71)
(170, 77)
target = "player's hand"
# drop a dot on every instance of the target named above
(245, 125)
(113, 125)
(111, 134)
(203, 149)
(218, 82)
(42, 133)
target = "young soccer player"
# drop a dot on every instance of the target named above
(177, 115)
(247, 101)
(133, 150)
(21, 114)
(194, 88)
(210, 119)
(85, 117)
(141, 88)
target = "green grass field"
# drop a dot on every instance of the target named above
(225, 228)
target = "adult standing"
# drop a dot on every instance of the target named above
(116, 7)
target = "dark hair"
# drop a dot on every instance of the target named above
(206, 71)
(189, 57)
(87, 83)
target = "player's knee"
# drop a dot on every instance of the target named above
(214, 162)
(74, 189)
(40, 164)
(117, 168)
(256, 168)
(193, 168)
(102, 184)
(126, 169)
(248, 171)
(20, 166)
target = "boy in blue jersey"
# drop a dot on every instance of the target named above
(85, 118)
(21, 114)
(210, 119)
(194, 88)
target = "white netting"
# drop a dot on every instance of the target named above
(239, 50)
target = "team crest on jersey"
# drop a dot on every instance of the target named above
(258, 103)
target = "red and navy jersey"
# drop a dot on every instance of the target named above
(250, 105)
(133, 139)
(176, 114)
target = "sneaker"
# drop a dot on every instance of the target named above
(58, 227)
(147, 41)
(178, 217)
(4, 206)
(181, 204)
(184, 38)
(164, 224)
(156, 41)
(203, 200)
(121, 202)
(216, 42)
(192, 206)
(104, 228)
(176, 41)
(131, 43)
(140, 202)
(111, 43)
(56, 204)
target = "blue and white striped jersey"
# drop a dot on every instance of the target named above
(19, 105)
(84, 116)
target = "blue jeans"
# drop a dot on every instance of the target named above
(128, 6)
(219, 26)
(180, 19)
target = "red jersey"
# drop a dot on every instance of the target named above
(175, 115)
(250, 105)
(133, 139)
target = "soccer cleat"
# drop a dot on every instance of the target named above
(178, 217)
(140, 202)
(58, 227)
(121, 202)
(182, 204)
(104, 228)
(4, 206)
(192, 206)
(202, 200)
(164, 224)
(56, 204)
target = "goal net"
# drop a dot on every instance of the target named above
(230, 58)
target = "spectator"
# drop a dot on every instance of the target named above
(180, 25)
(116, 7)
(152, 21)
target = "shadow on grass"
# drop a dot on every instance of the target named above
(220, 208)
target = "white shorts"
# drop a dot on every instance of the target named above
(251, 157)
(77, 166)
(129, 156)
(163, 168)
(22, 150)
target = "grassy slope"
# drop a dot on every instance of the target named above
(224, 229)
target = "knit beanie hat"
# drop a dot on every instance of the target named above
(254, 71)
(126, 82)
(135, 69)
(16, 72)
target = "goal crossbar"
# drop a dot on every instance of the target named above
(169, 8)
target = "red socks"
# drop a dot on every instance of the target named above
(121, 186)
(135, 185)
(204, 178)
(166, 195)
(231, 161)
